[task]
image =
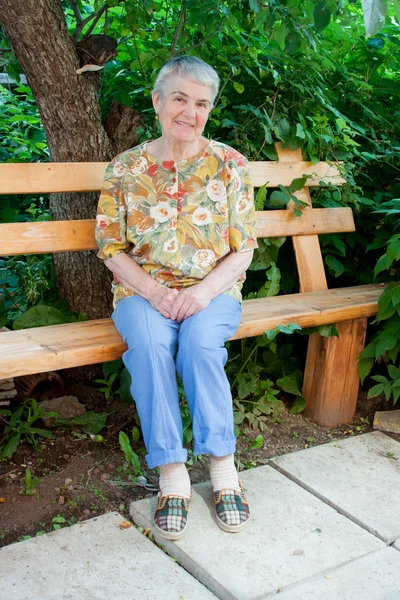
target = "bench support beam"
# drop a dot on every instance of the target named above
(331, 378)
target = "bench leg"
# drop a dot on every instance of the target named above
(331, 378)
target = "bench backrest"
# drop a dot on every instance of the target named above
(61, 236)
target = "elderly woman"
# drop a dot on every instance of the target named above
(176, 226)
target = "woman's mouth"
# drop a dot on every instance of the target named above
(183, 124)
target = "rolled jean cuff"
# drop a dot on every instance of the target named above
(216, 448)
(166, 457)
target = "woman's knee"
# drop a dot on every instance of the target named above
(142, 327)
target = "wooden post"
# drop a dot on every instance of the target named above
(331, 379)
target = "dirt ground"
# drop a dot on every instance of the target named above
(81, 478)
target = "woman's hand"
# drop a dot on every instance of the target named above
(190, 301)
(163, 299)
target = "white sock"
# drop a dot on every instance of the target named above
(174, 479)
(223, 473)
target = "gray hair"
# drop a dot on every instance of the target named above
(192, 68)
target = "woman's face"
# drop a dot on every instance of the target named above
(183, 109)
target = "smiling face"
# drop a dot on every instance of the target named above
(183, 109)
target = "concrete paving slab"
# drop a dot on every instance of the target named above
(94, 560)
(292, 535)
(375, 576)
(387, 420)
(359, 476)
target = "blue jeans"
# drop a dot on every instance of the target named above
(158, 348)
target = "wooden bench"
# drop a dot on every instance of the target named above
(331, 379)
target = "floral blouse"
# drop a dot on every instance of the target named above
(177, 220)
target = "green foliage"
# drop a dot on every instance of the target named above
(21, 427)
(130, 456)
(90, 422)
(31, 481)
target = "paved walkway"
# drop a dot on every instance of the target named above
(325, 524)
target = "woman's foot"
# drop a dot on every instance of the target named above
(232, 509)
(171, 515)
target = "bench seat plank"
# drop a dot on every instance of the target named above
(63, 236)
(35, 178)
(56, 347)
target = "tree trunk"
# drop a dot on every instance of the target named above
(70, 112)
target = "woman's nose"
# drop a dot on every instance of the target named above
(190, 110)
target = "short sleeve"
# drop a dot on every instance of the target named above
(111, 212)
(242, 216)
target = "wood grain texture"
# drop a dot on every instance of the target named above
(89, 342)
(32, 178)
(331, 387)
(63, 236)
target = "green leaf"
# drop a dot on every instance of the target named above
(392, 252)
(261, 197)
(11, 446)
(278, 199)
(375, 12)
(334, 265)
(124, 390)
(279, 35)
(297, 184)
(90, 422)
(238, 417)
(135, 434)
(130, 456)
(364, 367)
(376, 390)
(328, 331)
(239, 87)
(292, 42)
(40, 316)
(396, 4)
(290, 384)
(298, 405)
(381, 265)
(257, 442)
(322, 17)
(289, 328)
(42, 432)
(300, 133)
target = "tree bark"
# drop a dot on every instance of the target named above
(70, 112)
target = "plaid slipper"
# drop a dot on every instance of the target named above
(171, 516)
(232, 509)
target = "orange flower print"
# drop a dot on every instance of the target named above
(102, 221)
(119, 169)
(204, 258)
(171, 245)
(201, 216)
(244, 203)
(222, 207)
(161, 212)
(234, 178)
(216, 190)
(138, 166)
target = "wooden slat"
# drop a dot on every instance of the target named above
(74, 344)
(63, 236)
(277, 173)
(34, 178)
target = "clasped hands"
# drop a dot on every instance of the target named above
(180, 305)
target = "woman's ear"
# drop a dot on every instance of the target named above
(156, 101)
